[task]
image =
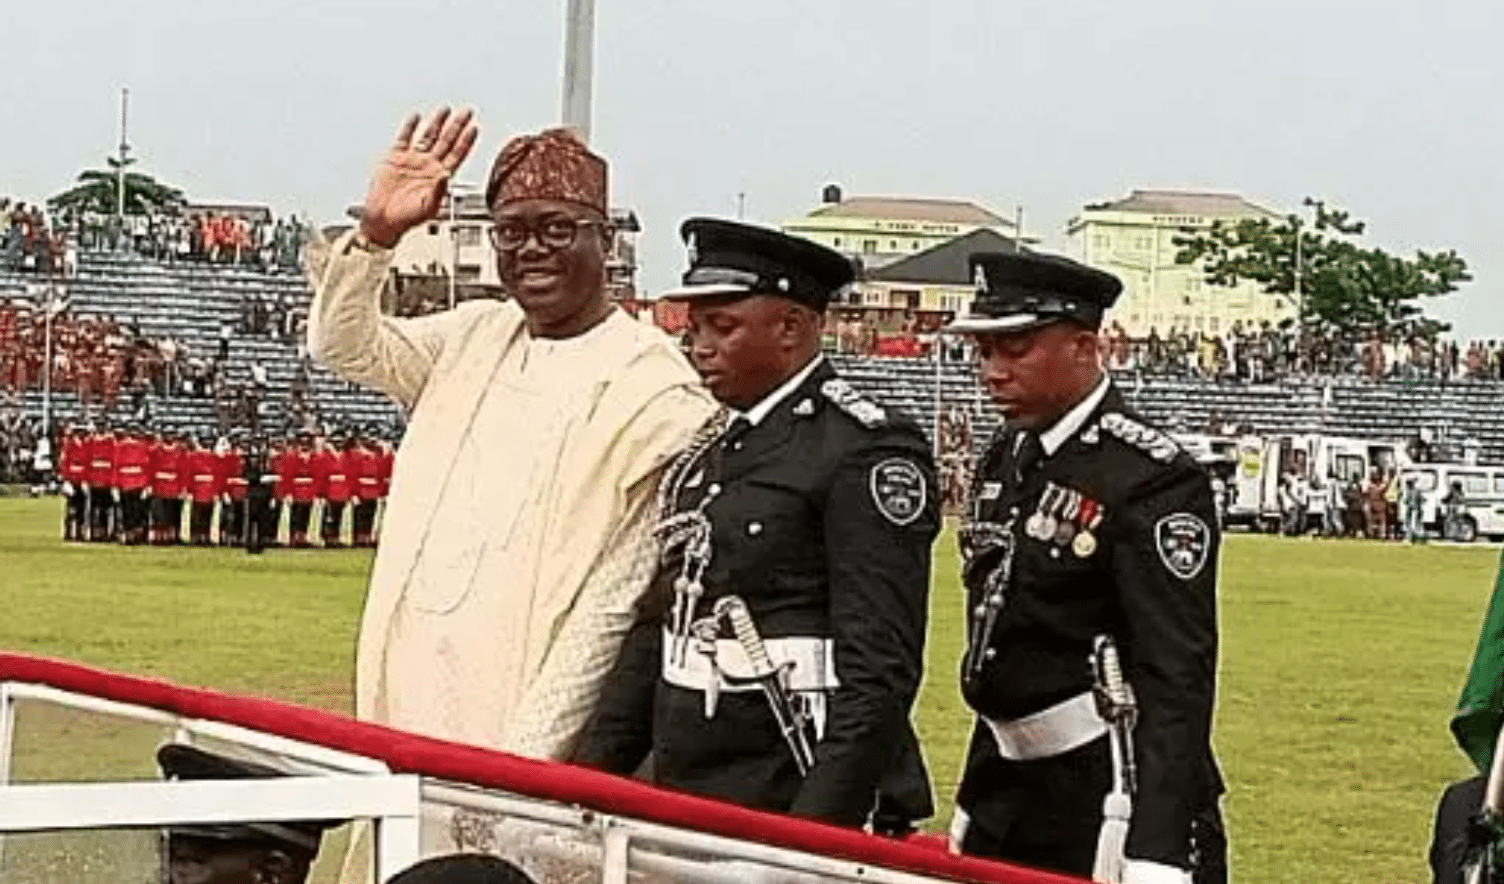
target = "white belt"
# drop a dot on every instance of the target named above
(1067, 725)
(814, 666)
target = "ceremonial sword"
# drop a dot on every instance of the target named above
(789, 714)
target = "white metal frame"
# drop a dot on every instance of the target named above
(342, 785)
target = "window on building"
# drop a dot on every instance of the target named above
(469, 236)
(892, 245)
(433, 229)
(1143, 243)
(1200, 323)
(836, 242)
(869, 246)
(1213, 324)
(467, 272)
(1100, 241)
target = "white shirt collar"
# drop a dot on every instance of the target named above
(1071, 421)
(756, 413)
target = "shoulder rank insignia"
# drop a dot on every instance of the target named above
(845, 397)
(1146, 439)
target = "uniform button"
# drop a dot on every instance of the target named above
(989, 654)
(754, 528)
(715, 488)
(1013, 511)
(1054, 552)
(736, 446)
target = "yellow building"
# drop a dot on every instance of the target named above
(1134, 239)
(880, 230)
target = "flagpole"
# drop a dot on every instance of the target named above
(579, 51)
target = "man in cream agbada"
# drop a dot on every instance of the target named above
(516, 538)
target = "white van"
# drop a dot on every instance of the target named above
(1483, 498)
(1320, 460)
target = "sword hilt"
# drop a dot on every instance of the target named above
(736, 613)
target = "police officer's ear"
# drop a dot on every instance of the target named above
(799, 323)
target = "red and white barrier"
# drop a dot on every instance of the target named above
(374, 772)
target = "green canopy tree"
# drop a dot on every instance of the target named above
(97, 191)
(1344, 288)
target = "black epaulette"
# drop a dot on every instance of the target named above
(845, 397)
(1145, 438)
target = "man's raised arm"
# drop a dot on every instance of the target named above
(346, 330)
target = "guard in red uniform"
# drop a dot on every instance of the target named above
(363, 467)
(103, 520)
(73, 469)
(133, 478)
(233, 486)
(304, 491)
(280, 478)
(204, 486)
(386, 459)
(168, 488)
(335, 486)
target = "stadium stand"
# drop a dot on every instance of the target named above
(198, 304)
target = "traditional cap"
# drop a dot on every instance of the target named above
(730, 258)
(1023, 290)
(462, 868)
(182, 762)
(552, 165)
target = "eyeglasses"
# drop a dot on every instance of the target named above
(552, 231)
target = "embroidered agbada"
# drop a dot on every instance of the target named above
(517, 528)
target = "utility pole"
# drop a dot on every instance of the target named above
(1018, 229)
(124, 159)
(741, 205)
(579, 65)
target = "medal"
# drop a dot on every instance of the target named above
(1086, 542)
(1067, 527)
(1047, 509)
(1034, 524)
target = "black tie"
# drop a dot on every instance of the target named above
(1028, 451)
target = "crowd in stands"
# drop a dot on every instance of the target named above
(1247, 353)
(134, 485)
(1267, 352)
(31, 240)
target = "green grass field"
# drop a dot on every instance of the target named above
(1341, 664)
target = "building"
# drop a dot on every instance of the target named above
(880, 230)
(931, 287)
(459, 241)
(1134, 239)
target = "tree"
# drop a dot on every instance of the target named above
(97, 191)
(1344, 288)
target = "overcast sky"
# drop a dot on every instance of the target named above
(1388, 107)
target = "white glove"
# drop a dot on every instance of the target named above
(115, 493)
(1142, 871)
(67, 489)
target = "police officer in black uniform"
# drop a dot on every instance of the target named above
(270, 852)
(780, 648)
(1089, 550)
(260, 517)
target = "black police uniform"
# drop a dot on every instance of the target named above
(815, 523)
(1112, 534)
(260, 517)
(298, 838)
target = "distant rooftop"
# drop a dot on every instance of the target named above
(1183, 202)
(898, 208)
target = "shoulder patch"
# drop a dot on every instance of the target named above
(1184, 544)
(1145, 438)
(898, 490)
(845, 397)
